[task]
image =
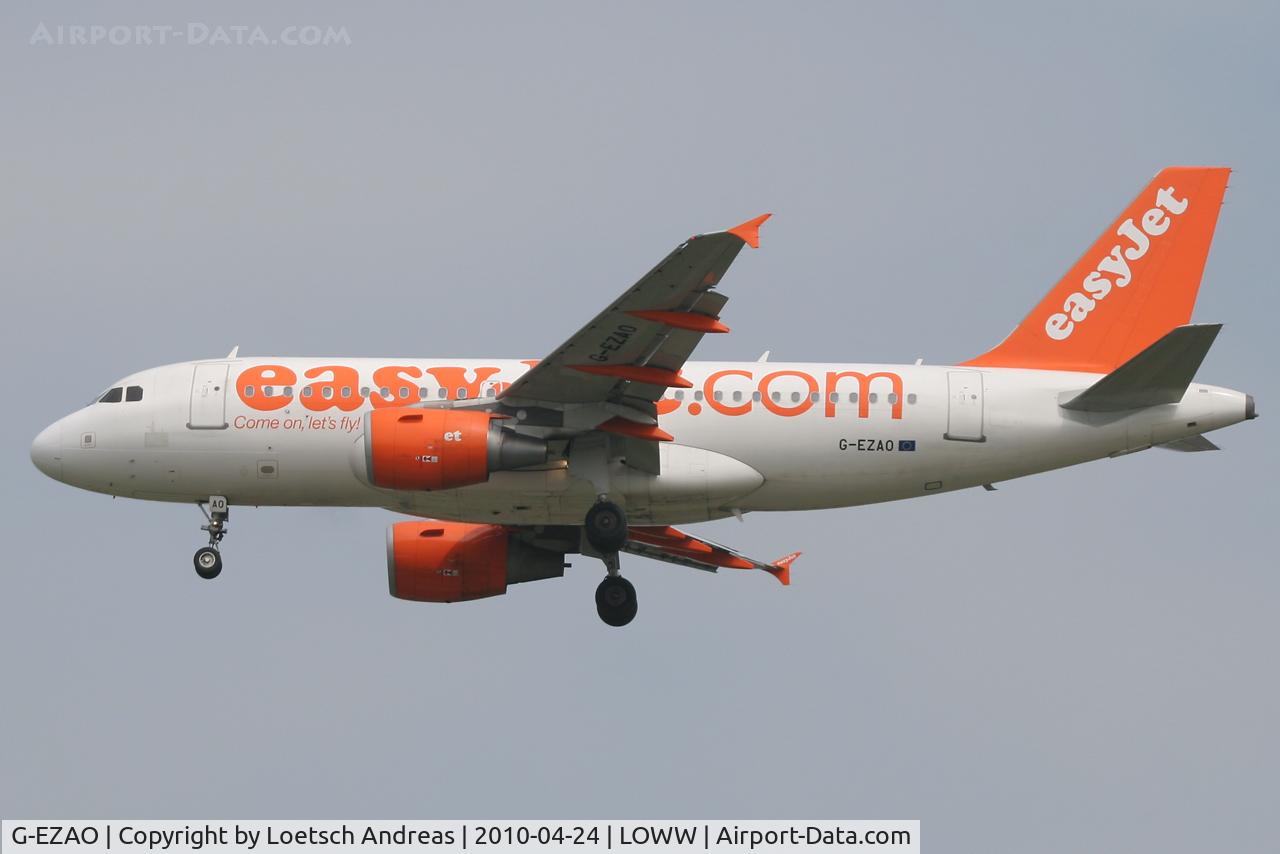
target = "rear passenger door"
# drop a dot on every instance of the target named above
(964, 408)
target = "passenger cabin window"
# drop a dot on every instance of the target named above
(133, 394)
(115, 395)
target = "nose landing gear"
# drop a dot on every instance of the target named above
(605, 530)
(208, 560)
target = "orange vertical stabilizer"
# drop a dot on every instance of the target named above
(1135, 283)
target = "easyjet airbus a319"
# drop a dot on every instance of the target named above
(615, 438)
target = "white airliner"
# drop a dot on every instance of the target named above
(612, 439)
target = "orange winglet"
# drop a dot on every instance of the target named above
(626, 427)
(749, 231)
(692, 321)
(637, 374)
(781, 568)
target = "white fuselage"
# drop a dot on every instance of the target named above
(748, 436)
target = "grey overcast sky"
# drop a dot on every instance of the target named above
(1084, 660)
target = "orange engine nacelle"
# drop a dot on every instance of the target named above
(442, 448)
(454, 561)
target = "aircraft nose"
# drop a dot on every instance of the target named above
(46, 451)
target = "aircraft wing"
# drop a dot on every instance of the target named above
(632, 352)
(675, 546)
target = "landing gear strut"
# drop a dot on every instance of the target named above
(208, 560)
(605, 529)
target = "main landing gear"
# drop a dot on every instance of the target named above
(616, 600)
(605, 529)
(208, 560)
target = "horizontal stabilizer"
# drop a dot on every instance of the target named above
(1191, 443)
(1157, 375)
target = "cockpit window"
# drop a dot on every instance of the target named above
(115, 395)
(133, 393)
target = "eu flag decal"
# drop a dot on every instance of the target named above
(907, 445)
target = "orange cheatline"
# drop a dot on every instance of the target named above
(692, 321)
(749, 231)
(637, 374)
(625, 427)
